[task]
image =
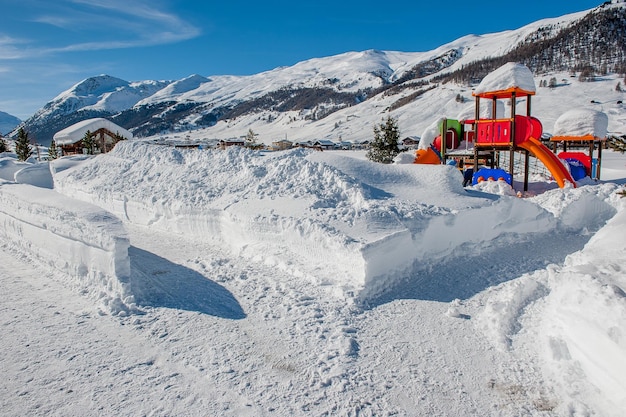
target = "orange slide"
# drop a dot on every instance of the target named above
(549, 159)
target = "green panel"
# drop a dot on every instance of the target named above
(454, 125)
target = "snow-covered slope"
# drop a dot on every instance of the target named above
(103, 93)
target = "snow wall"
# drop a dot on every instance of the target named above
(77, 238)
(310, 216)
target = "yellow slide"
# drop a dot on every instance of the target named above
(550, 160)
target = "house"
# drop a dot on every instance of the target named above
(225, 143)
(345, 145)
(105, 133)
(362, 144)
(281, 145)
(324, 144)
(411, 141)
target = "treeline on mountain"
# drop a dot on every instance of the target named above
(595, 44)
(295, 99)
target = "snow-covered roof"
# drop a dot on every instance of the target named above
(582, 122)
(76, 132)
(325, 142)
(511, 76)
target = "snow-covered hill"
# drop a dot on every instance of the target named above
(103, 93)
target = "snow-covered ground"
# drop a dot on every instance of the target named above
(307, 283)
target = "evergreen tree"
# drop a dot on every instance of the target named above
(384, 147)
(53, 152)
(552, 83)
(3, 145)
(22, 145)
(89, 142)
(118, 137)
(251, 138)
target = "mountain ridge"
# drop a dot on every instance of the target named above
(8, 122)
(313, 89)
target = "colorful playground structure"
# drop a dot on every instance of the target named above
(486, 138)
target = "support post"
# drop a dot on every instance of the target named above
(512, 146)
(600, 145)
(476, 118)
(526, 167)
(444, 139)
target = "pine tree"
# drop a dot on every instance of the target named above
(3, 145)
(251, 138)
(89, 142)
(53, 152)
(553, 82)
(384, 147)
(118, 137)
(22, 145)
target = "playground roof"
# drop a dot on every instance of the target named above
(581, 125)
(511, 78)
(508, 93)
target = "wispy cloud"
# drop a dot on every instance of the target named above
(10, 48)
(124, 24)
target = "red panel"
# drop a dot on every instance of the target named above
(499, 131)
(496, 132)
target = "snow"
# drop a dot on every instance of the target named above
(582, 122)
(76, 132)
(161, 281)
(510, 75)
(176, 89)
(82, 240)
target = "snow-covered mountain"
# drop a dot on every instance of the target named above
(363, 85)
(7, 122)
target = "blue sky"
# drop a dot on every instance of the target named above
(48, 46)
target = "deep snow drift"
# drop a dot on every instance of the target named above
(319, 283)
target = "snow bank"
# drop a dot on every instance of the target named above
(72, 236)
(583, 333)
(570, 317)
(582, 122)
(359, 225)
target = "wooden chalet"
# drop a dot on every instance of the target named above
(105, 133)
(225, 143)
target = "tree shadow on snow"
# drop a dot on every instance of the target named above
(157, 282)
(464, 276)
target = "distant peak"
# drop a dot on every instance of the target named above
(98, 84)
